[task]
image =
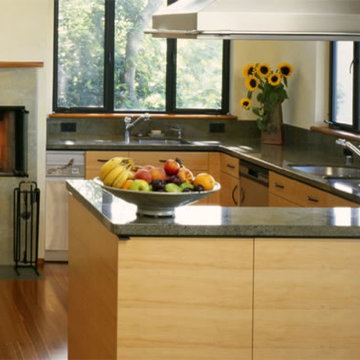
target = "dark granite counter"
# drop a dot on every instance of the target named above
(273, 157)
(120, 218)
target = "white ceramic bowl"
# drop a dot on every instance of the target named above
(155, 203)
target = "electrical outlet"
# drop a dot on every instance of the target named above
(68, 127)
(217, 127)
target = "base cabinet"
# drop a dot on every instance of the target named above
(210, 298)
(306, 299)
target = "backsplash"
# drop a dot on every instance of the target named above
(191, 129)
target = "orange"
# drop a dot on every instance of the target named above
(127, 184)
(205, 180)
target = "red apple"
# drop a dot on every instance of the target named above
(185, 175)
(143, 174)
(158, 174)
(171, 167)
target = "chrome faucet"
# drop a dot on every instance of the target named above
(348, 145)
(130, 123)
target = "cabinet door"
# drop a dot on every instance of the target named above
(307, 299)
(333, 200)
(229, 192)
(195, 161)
(94, 160)
(196, 301)
(252, 193)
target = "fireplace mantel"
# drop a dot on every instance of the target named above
(16, 64)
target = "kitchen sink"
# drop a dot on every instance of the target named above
(158, 141)
(329, 171)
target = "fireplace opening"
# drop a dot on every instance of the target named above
(13, 140)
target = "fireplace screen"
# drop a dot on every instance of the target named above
(13, 141)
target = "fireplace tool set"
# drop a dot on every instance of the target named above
(26, 225)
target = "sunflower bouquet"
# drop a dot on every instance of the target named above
(272, 89)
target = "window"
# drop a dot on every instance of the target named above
(105, 63)
(345, 81)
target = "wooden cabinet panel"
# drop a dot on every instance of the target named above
(229, 165)
(196, 301)
(306, 299)
(229, 193)
(333, 200)
(95, 159)
(253, 193)
(278, 201)
(302, 194)
(195, 161)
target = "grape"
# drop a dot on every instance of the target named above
(174, 179)
(198, 187)
(158, 185)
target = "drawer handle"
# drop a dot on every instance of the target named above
(230, 166)
(102, 160)
(162, 161)
(279, 186)
(309, 198)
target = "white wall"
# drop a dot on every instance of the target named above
(26, 34)
(308, 87)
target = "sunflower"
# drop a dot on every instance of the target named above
(274, 79)
(245, 103)
(263, 70)
(252, 83)
(285, 70)
(248, 70)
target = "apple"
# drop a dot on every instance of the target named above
(158, 174)
(171, 187)
(185, 175)
(139, 185)
(171, 167)
(143, 174)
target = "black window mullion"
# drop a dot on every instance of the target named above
(171, 76)
(226, 77)
(109, 55)
(356, 95)
(55, 61)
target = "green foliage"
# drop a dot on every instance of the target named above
(140, 60)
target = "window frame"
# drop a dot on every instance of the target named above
(109, 76)
(355, 126)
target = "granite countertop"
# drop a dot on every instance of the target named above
(120, 218)
(273, 157)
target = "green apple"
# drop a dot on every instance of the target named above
(186, 185)
(171, 187)
(139, 185)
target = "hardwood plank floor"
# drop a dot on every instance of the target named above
(33, 316)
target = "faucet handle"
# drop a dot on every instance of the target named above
(127, 119)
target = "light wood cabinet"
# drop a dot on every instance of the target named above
(230, 186)
(157, 298)
(283, 190)
(306, 299)
(94, 160)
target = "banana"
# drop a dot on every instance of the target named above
(112, 175)
(112, 164)
(121, 178)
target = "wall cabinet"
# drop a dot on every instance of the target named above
(284, 191)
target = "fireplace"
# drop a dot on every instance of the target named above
(13, 141)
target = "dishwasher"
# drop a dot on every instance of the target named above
(60, 166)
(254, 184)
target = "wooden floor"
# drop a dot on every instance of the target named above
(33, 316)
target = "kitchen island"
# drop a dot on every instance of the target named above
(211, 282)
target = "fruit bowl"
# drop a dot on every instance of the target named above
(155, 203)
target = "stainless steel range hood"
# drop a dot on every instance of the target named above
(260, 19)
